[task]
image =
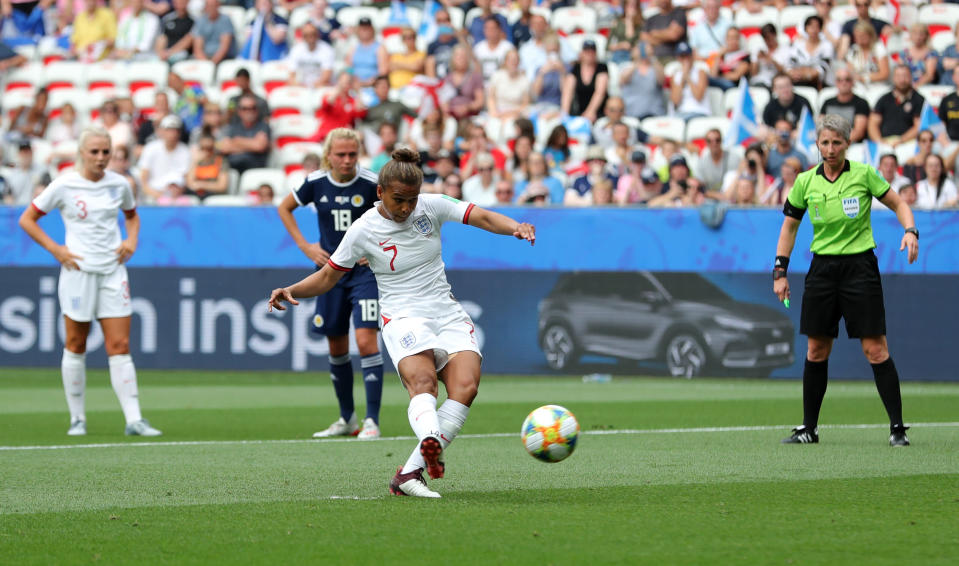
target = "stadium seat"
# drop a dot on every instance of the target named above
(26, 77)
(96, 98)
(759, 95)
(941, 40)
(196, 72)
(251, 179)
(387, 26)
(670, 127)
(272, 74)
(697, 128)
(905, 151)
(146, 74)
(793, 18)
(293, 128)
(79, 99)
(935, 93)
(569, 20)
(65, 74)
(349, 16)
(294, 181)
(64, 155)
(715, 97)
(842, 13)
(238, 17)
(106, 74)
(873, 92)
(457, 16)
(226, 200)
(749, 23)
(226, 72)
(939, 17)
(145, 99)
(293, 100)
(809, 93)
(575, 43)
(289, 158)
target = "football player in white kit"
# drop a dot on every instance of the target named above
(93, 278)
(427, 333)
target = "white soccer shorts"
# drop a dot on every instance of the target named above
(445, 335)
(85, 296)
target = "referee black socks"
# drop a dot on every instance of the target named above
(887, 382)
(814, 379)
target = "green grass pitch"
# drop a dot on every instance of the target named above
(667, 472)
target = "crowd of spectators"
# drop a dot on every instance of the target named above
(526, 102)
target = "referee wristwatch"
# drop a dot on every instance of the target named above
(914, 231)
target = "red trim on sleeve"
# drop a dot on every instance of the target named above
(339, 267)
(130, 213)
(466, 216)
(37, 208)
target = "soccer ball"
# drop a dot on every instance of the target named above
(550, 433)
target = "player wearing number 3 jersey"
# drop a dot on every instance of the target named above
(341, 193)
(93, 279)
(427, 333)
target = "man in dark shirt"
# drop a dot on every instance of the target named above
(386, 110)
(665, 30)
(242, 79)
(785, 104)
(895, 119)
(853, 108)
(949, 111)
(247, 141)
(440, 52)
(175, 42)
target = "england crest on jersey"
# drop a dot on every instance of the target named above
(423, 225)
(851, 206)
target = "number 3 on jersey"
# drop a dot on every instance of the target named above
(342, 219)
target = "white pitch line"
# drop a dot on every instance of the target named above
(758, 428)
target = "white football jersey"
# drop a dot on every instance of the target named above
(405, 257)
(89, 210)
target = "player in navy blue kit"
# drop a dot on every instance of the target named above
(341, 192)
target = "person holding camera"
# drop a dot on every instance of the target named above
(752, 167)
(782, 147)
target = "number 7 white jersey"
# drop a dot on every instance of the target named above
(406, 257)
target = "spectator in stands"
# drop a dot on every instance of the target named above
(175, 41)
(895, 118)
(889, 170)
(914, 167)
(311, 60)
(504, 193)
(537, 172)
(244, 83)
(478, 143)
(580, 193)
(867, 58)
(714, 162)
(189, 102)
(9, 58)
(730, 63)
(811, 56)
(27, 122)
(921, 59)
(165, 161)
(665, 30)
(263, 195)
(948, 61)
(120, 163)
(626, 31)
(174, 192)
(368, 58)
(642, 84)
(753, 167)
(430, 162)
(94, 32)
(949, 114)
(388, 135)
(407, 64)
(64, 127)
(613, 114)
(909, 195)
(23, 21)
(630, 187)
(536, 194)
(477, 28)
(584, 88)
(936, 190)
(556, 149)
(785, 103)
(121, 132)
(342, 107)
(311, 163)
(519, 29)
(158, 7)
(440, 51)
(831, 28)
(534, 53)
(688, 85)
(329, 28)
(437, 123)
(466, 84)
(768, 59)
(517, 165)
(453, 186)
(777, 192)
(667, 149)
(214, 125)
(686, 193)
(847, 104)
(491, 52)
(25, 176)
(386, 110)
(547, 86)
(148, 128)
(508, 95)
(137, 33)
(619, 151)
(480, 188)
(879, 27)
(247, 141)
(266, 40)
(745, 191)
(709, 36)
(209, 173)
(213, 35)
(783, 148)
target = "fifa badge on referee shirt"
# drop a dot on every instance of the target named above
(851, 206)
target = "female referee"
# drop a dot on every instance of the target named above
(426, 331)
(843, 279)
(93, 278)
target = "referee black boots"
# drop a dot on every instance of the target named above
(804, 435)
(897, 435)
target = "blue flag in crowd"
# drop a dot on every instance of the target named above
(871, 153)
(743, 125)
(929, 120)
(428, 29)
(806, 135)
(398, 15)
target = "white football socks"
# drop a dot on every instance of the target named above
(73, 367)
(423, 419)
(123, 377)
(452, 414)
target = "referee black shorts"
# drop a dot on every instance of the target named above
(847, 287)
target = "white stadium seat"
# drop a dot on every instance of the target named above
(226, 72)
(293, 128)
(106, 74)
(65, 74)
(251, 179)
(349, 16)
(196, 71)
(293, 100)
(574, 19)
(935, 93)
(939, 17)
(146, 74)
(670, 127)
(749, 24)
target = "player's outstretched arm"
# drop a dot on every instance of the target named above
(499, 224)
(316, 284)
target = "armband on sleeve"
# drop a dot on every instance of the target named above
(792, 211)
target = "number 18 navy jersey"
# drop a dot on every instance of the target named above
(338, 205)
